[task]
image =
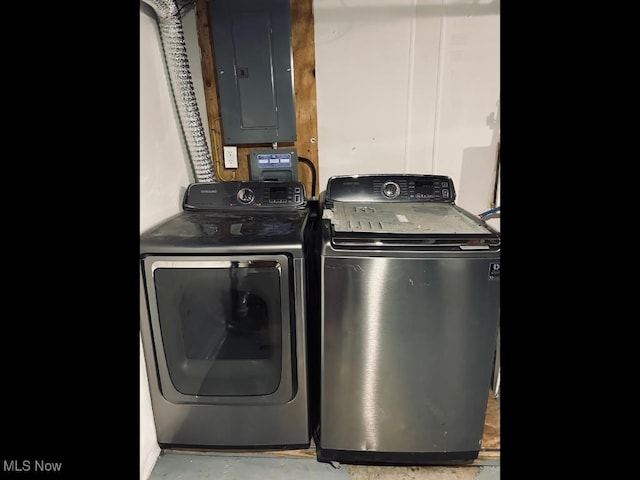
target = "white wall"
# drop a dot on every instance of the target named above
(410, 86)
(164, 175)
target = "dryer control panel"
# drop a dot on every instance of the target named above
(244, 194)
(391, 188)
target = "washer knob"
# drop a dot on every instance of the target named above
(246, 195)
(390, 190)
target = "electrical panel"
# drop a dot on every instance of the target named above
(254, 70)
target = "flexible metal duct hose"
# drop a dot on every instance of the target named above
(177, 63)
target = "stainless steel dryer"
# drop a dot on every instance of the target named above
(410, 304)
(223, 317)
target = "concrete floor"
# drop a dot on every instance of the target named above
(248, 466)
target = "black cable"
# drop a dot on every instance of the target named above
(497, 178)
(313, 174)
(185, 7)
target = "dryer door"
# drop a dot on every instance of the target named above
(221, 327)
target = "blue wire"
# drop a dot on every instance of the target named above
(489, 212)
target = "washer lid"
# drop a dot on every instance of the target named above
(404, 218)
(412, 224)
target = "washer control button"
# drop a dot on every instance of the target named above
(390, 189)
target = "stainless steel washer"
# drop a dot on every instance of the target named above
(410, 305)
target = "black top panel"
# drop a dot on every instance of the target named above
(245, 230)
(253, 195)
(390, 188)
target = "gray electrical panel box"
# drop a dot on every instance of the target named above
(254, 70)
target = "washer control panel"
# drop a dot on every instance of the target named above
(253, 194)
(391, 188)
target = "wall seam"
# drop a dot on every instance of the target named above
(410, 86)
(439, 81)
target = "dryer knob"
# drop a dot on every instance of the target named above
(246, 195)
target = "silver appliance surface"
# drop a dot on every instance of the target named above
(224, 303)
(408, 328)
